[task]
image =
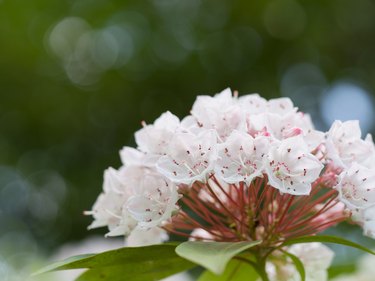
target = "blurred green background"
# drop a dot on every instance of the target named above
(78, 76)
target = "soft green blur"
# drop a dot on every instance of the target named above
(77, 77)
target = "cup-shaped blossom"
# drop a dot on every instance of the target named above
(345, 146)
(155, 138)
(253, 104)
(281, 106)
(357, 187)
(133, 197)
(154, 200)
(240, 157)
(291, 168)
(284, 124)
(133, 157)
(190, 157)
(366, 219)
(221, 113)
(109, 210)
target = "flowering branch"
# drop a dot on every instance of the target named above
(241, 170)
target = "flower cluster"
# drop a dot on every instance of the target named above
(237, 169)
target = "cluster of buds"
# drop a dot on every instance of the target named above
(239, 169)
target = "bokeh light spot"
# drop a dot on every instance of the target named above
(348, 101)
(65, 34)
(303, 83)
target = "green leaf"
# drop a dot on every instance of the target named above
(235, 271)
(147, 262)
(64, 264)
(143, 271)
(342, 269)
(213, 255)
(327, 239)
(298, 263)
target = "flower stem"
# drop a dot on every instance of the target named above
(261, 262)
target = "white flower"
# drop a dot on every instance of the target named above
(134, 196)
(133, 157)
(302, 122)
(291, 168)
(221, 113)
(240, 157)
(190, 124)
(370, 160)
(285, 126)
(271, 116)
(366, 218)
(315, 257)
(154, 138)
(281, 106)
(144, 237)
(190, 158)
(369, 228)
(253, 104)
(109, 210)
(357, 187)
(345, 146)
(154, 200)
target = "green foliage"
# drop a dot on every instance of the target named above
(213, 255)
(236, 270)
(69, 263)
(223, 260)
(336, 270)
(143, 271)
(129, 263)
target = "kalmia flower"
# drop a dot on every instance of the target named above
(134, 197)
(241, 169)
(155, 138)
(221, 113)
(190, 157)
(109, 208)
(240, 157)
(345, 146)
(357, 187)
(291, 168)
